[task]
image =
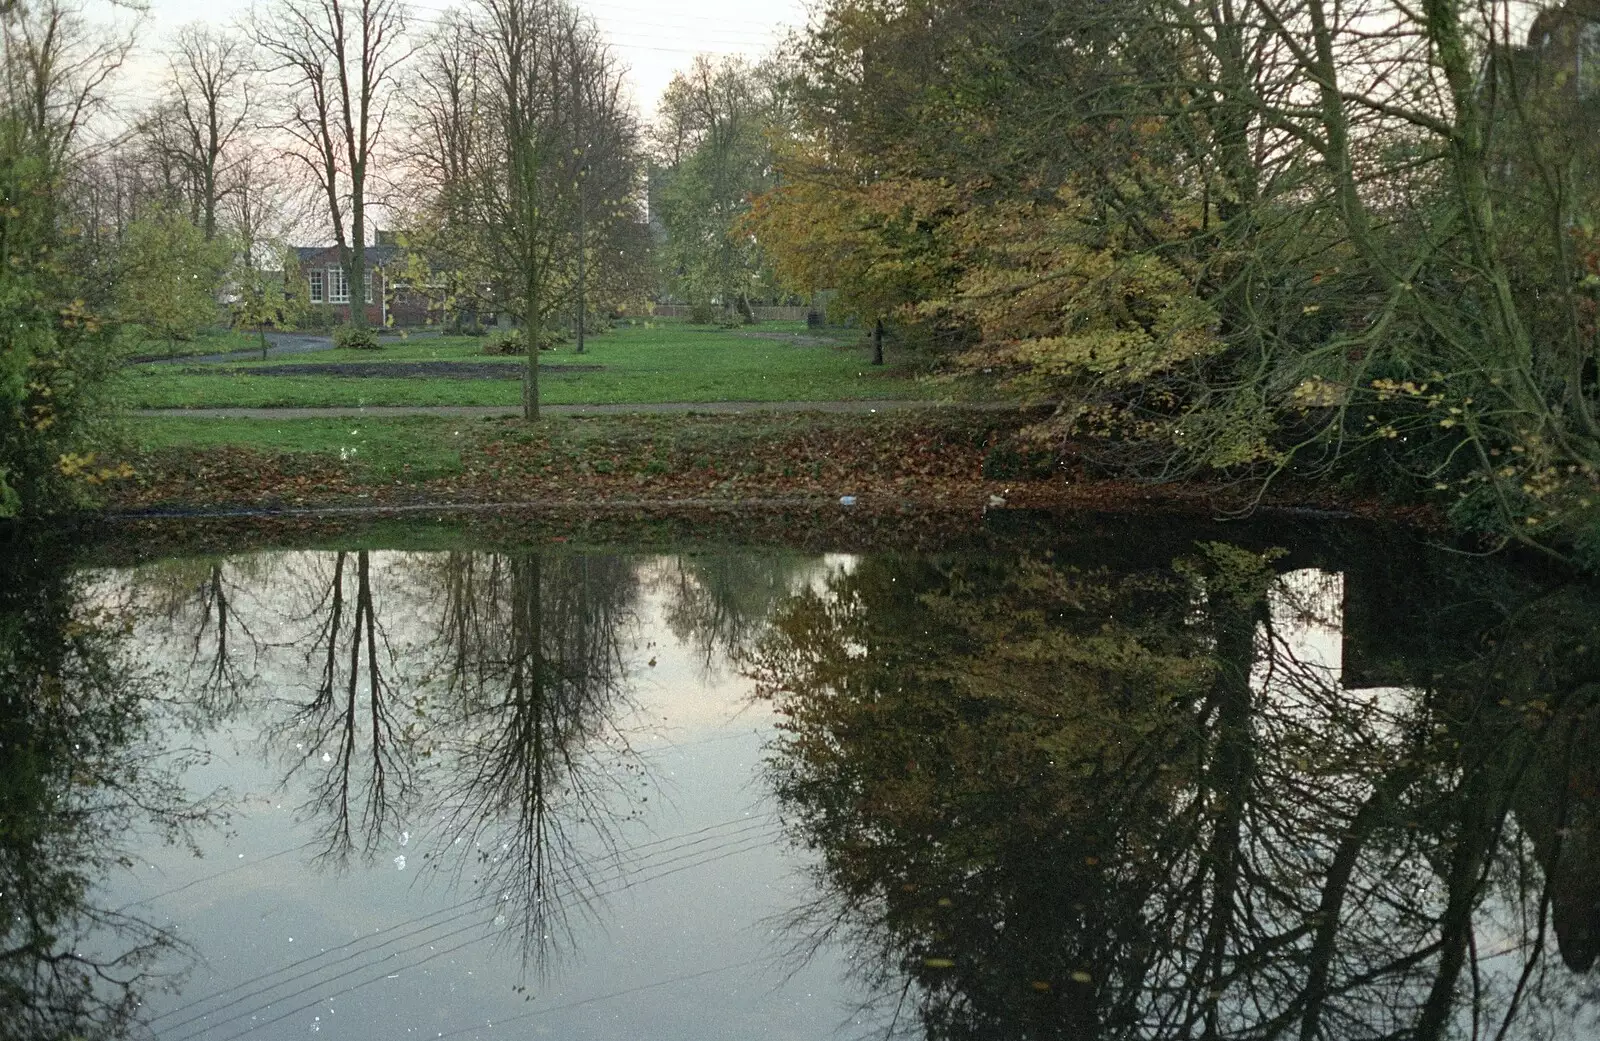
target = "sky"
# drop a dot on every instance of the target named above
(652, 39)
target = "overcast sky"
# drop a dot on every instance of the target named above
(652, 39)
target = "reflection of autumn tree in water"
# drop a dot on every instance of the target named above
(348, 735)
(76, 776)
(1066, 805)
(720, 602)
(533, 764)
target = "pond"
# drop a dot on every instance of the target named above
(1089, 778)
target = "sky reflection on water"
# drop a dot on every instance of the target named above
(1212, 790)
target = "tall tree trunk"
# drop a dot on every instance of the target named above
(358, 262)
(877, 342)
(577, 134)
(582, 301)
(532, 329)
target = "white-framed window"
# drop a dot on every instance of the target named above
(366, 279)
(319, 293)
(338, 286)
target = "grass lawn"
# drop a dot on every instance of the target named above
(423, 446)
(209, 341)
(664, 362)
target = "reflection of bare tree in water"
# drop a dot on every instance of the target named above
(350, 742)
(77, 773)
(531, 652)
(197, 600)
(1056, 805)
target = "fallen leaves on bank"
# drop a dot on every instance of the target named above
(931, 460)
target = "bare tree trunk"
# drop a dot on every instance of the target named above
(582, 301)
(577, 134)
(877, 342)
(533, 329)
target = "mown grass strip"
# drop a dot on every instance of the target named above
(635, 366)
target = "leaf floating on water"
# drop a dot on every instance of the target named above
(1082, 977)
(939, 963)
(1041, 985)
(400, 863)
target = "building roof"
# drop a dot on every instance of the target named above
(379, 255)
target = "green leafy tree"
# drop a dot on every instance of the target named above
(279, 298)
(81, 772)
(54, 350)
(170, 276)
(712, 158)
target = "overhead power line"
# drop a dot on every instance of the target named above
(652, 860)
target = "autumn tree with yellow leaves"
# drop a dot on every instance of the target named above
(1349, 244)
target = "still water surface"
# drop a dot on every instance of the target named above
(1303, 784)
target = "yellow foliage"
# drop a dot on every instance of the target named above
(82, 467)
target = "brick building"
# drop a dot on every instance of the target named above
(386, 300)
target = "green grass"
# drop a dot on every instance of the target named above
(666, 362)
(185, 390)
(208, 341)
(417, 446)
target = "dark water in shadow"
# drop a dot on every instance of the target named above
(1131, 780)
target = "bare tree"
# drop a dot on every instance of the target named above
(531, 652)
(364, 783)
(55, 69)
(335, 63)
(523, 56)
(253, 206)
(528, 156)
(207, 108)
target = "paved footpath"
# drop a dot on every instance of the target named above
(490, 411)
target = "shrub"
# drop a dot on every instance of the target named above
(317, 318)
(352, 338)
(505, 341)
(511, 341)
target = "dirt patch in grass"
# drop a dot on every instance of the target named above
(795, 339)
(449, 370)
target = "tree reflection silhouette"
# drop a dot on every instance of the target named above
(77, 773)
(535, 772)
(361, 772)
(719, 603)
(197, 600)
(1052, 803)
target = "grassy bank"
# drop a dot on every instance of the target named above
(628, 365)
